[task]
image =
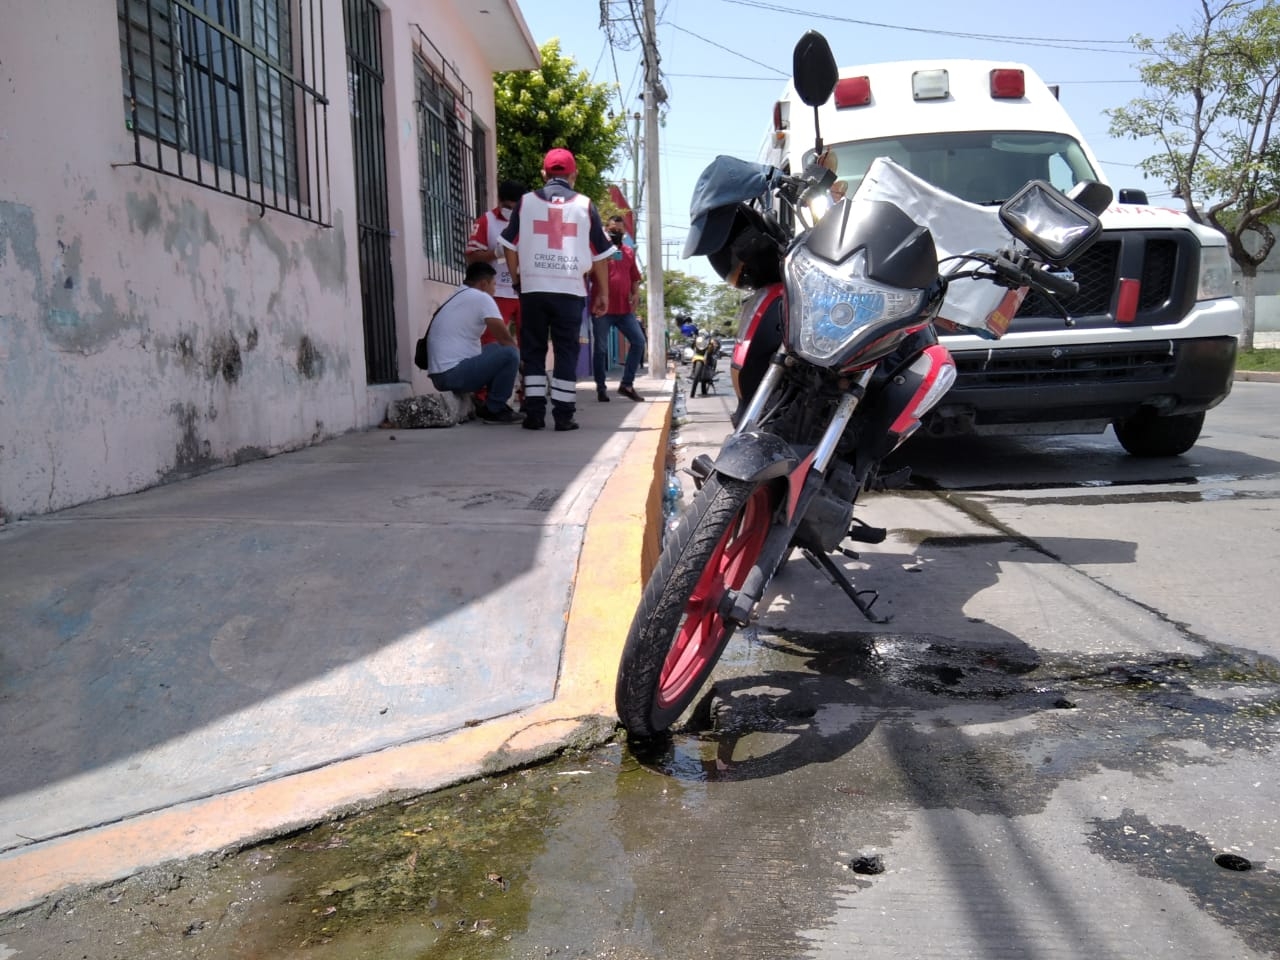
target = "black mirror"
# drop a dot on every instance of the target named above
(1049, 222)
(1133, 195)
(814, 69)
(1092, 195)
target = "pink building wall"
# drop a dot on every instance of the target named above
(151, 328)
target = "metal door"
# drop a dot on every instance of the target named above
(364, 82)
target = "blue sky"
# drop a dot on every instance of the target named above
(725, 62)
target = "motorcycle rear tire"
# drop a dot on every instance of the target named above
(678, 632)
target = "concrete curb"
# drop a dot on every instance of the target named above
(1259, 376)
(621, 542)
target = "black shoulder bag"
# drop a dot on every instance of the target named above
(420, 351)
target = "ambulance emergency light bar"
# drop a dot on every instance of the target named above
(1006, 83)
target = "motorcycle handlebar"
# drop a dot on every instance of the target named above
(1061, 287)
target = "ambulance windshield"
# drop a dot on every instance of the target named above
(981, 167)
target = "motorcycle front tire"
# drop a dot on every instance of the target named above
(695, 376)
(678, 632)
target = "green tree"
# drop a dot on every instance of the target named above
(682, 293)
(555, 106)
(1212, 107)
(721, 307)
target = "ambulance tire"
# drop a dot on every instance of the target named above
(1147, 435)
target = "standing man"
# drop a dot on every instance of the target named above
(484, 246)
(457, 362)
(554, 239)
(624, 285)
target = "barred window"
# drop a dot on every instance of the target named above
(212, 96)
(445, 158)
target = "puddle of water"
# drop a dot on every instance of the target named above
(1246, 902)
(610, 854)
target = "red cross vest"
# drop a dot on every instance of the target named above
(555, 244)
(489, 227)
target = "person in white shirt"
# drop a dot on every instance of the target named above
(456, 361)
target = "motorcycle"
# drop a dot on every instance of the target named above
(837, 361)
(706, 354)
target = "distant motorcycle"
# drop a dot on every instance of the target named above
(706, 353)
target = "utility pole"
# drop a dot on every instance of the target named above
(637, 200)
(654, 95)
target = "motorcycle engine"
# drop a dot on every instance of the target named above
(826, 521)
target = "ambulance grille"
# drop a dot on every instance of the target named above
(1165, 261)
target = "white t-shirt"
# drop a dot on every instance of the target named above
(455, 332)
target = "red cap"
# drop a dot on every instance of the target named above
(559, 160)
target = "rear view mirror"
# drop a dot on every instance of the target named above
(1092, 195)
(1049, 222)
(814, 69)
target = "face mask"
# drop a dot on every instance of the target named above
(615, 237)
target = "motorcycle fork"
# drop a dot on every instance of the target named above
(803, 482)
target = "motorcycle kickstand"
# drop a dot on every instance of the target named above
(841, 580)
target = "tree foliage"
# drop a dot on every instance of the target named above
(682, 293)
(1212, 106)
(555, 106)
(721, 307)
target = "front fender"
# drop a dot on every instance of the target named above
(754, 455)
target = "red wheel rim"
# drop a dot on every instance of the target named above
(703, 628)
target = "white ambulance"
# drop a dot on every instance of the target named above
(1155, 328)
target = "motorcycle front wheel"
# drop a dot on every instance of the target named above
(695, 376)
(679, 631)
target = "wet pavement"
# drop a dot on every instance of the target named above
(829, 789)
(1059, 746)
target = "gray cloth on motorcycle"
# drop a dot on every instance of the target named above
(957, 227)
(726, 182)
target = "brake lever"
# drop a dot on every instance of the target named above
(1016, 275)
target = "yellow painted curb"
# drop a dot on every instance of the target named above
(620, 548)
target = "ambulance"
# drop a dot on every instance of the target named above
(1152, 337)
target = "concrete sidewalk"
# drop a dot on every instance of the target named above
(221, 659)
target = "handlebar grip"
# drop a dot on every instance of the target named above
(1060, 287)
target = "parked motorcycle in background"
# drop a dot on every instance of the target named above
(836, 363)
(706, 356)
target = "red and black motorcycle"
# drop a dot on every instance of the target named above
(837, 362)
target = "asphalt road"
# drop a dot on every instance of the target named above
(1062, 744)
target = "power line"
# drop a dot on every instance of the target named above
(1056, 42)
(713, 43)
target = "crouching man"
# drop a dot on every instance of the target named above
(458, 363)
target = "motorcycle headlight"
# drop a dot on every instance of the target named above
(1215, 273)
(832, 304)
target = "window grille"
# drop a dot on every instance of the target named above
(446, 127)
(228, 94)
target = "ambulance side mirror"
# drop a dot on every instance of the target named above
(1092, 195)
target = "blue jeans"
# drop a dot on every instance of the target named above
(495, 367)
(629, 327)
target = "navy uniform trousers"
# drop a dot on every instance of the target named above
(557, 317)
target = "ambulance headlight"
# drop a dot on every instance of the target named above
(1215, 273)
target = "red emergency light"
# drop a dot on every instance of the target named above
(1008, 84)
(853, 92)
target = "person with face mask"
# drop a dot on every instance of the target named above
(484, 247)
(624, 288)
